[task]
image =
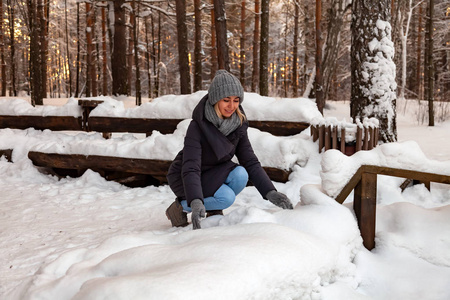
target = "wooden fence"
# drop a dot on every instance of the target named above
(334, 137)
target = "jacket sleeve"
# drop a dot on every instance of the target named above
(248, 159)
(192, 161)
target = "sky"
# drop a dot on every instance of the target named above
(88, 238)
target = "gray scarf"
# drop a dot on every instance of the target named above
(226, 126)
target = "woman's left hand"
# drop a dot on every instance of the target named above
(279, 199)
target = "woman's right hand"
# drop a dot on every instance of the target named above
(198, 212)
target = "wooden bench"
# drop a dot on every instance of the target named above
(120, 169)
(364, 182)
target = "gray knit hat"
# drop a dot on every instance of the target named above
(224, 85)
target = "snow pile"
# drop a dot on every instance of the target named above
(337, 168)
(181, 106)
(20, 107)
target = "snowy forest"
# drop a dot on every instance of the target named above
(151, 48)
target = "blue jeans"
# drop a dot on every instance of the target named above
(224, 197)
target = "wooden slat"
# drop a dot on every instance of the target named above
(364, 205)
(135, 125)
(418, 175)
(348, 188)
(358, 138)
(156, 168)
(7, 153)
(342, 140)
(334, 137)
(41, 122)
(279, 128)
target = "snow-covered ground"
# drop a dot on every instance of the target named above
(87, 238)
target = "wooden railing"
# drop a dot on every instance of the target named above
(333, 137)
(364, 183)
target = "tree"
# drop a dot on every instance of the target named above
(242, 45)
(119, 59)
(264, 50)
(2, 53)
(373, 90)
(198, 47)
(295, 50)
(11, 20)
(320, 100)
(35, 53)
(183, 52)
(221, 35)
(255, 64)
(429, 63)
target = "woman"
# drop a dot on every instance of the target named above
(202, 176)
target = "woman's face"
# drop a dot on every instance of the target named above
(228, 105)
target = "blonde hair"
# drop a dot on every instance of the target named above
(241, 116)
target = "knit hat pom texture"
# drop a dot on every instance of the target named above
(224, 85)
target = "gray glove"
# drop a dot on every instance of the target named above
(198, 211)
(279, 199)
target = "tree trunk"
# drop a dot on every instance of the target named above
(119, 59)
(2, 55)
(130, 53)
(333, 43)
(264, 50)
(429, 66)
(147, 57)
(12, 46)
(242, 45)
(419, 55)
(89, 47)
(255, 65)
(136, 54)
(68, 60)
(77, 71)
(104, 56)
(213, 43)
(221, 35)
(35, 54)
(372, 68)
(320, 101)
(43, 15)
(295, 50)
(198, 47)
(183, 52)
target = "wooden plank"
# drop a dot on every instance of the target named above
(364, 205)
(321, 137)
(279, 128)
(327, 137)
(421, 176)
(358, 138)
(371, 138)
(135, 125)
(334, 137)
(7, 153)
(366, 139)
(343, 140)
(348, 188)
(41, 122)
(98, 163)
(277, 175)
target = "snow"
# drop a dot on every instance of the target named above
(87, 238)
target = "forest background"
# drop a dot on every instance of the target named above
(150, 48)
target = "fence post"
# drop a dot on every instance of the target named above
(364, 205)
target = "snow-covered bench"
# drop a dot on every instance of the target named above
(341, 175)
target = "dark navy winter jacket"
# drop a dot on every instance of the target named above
(205, 161)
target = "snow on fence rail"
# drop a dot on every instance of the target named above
(343, 136)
